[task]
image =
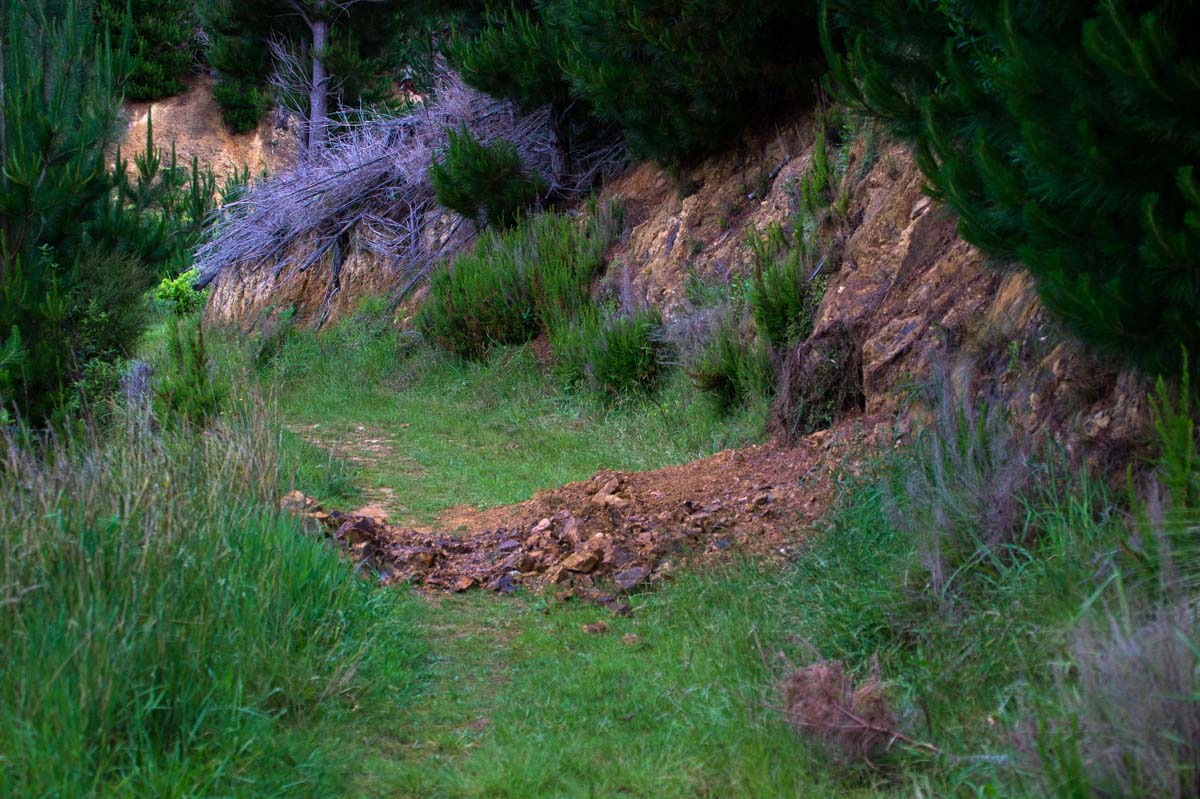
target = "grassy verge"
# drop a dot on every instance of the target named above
(167, 633)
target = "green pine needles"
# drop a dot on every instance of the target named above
(484, 182)
(1063, 135)
(679, 79)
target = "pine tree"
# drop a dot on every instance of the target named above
(680, 79)
(484, 182)
(163, 44)
(1065, 135)
(333, 50)
(59, 109)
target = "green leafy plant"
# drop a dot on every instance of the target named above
(180, 295)
(190, 391)
(514, 284)
(163, 44)
(784, 295)
(647, 66)
(734, 366)
(610, 354)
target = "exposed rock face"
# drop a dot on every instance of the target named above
(909, 289)
(192, 122)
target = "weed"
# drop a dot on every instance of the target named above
(1134, 716)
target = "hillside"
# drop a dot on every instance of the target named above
(581, 399)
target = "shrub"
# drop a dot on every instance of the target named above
(610, 354)
(818, 380)
(484, 181)
(734, 366)
(163, 43)
(511, 285)
(784, 294)
(1096, 196)
(242, 104)
(180, 295)
(190, 390)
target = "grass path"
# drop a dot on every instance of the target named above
(677, 700)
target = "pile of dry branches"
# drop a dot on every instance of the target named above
(374, 177)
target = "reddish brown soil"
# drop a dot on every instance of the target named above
(601, 538)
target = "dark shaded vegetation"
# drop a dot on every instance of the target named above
(1063, 136)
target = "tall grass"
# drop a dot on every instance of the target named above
(164, 629)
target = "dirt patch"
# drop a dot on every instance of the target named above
(192, 122)
(602, 538)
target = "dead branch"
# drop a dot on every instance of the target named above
(374, 177)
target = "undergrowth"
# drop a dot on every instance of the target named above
(166, 632)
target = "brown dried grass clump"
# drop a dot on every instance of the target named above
(825, 706)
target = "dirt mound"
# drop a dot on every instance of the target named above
(601, 538)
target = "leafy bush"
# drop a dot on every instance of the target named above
(484, 181)
(180, 295)
(242, 104)
(783, 298)
(54, 182)
(1097, 196)
(735, 365)
(610, 354)
(512, 285)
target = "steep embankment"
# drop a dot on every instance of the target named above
(191, 122)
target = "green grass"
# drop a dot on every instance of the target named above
(525, 704)
(483, 433)
(167, 633)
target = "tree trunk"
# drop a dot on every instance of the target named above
(302, 124)
(318, 98)
(560, 150)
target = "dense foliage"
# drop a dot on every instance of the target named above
(63, 303)
(484, 182)
(511, 286)
(363, 40)
(679, 79)
(163, 43)
(79, 243)
(611, 354)
(1064, 135)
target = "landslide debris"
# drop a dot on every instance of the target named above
(603, 538)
